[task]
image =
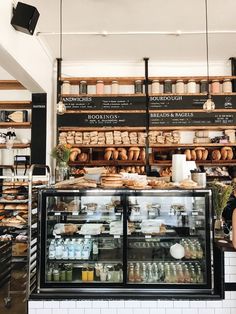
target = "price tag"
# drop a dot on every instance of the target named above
(148, 236)
(116, 236)
(89, 213)
(194, 213)
(75, 213)
(87, 236)
(183, 214)
(118, 214)
(57, 214)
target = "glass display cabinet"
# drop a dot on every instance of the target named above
(126, 243)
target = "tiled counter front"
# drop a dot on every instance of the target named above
(226, 306)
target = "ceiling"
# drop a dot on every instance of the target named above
(98, 20)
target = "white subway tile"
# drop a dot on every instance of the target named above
(190, 311)
(232, 278)
(35, 304)
(140, 311)
(227, 279)
(43, 311)
(69, 304)
(173, 311)
(125, 311)
(233, 295)
(181, 304)
(133, 303)
(157, 311)
(207, 311)
(84, 304)
(51, 304)
(76, 311)
(164, 304)
(117, 304)
(92, 311)
(32, 311)
(227, 295)
(230, 270)
(230, 254)
(99, 304)
(149, 304)
(59, 311)
(222, 311)
(197, 304)
(229, 303)
(214, 304)
(108, 311)
(232, 261)
(227, 261)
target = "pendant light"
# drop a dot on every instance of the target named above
(61, 108)
(209, 104)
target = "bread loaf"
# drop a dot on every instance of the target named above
(108, 154)
(193, 155)
(115, 154)
(131, 154)
(188, 154)
(216, 155)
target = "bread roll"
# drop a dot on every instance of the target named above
(188, 154)
(142, 155)
(216, 155)
(131, 154)
(224, 154)
(107, 155)
(230, 155)
(199, 154)
(115, 154)
(73, 156)
(193, 155)
(205, 154)
(82, 157)
(123, 155)
(136, 154)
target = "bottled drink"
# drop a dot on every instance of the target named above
(52, 250)
(95, 250)
(78, 249)
(71, 249)
(131, 273)
(59, 249)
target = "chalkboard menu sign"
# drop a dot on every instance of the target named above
(192, 118)
(175, 102)
(102, 120)
(105, 103)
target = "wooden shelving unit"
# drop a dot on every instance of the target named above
(10, 85)
(15, 125)
(15, 105)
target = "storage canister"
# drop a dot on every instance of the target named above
(167, 87)
(83, 88)
(204, 86)
(138, 87)
(215, 87)
(155, 87)
(192, 87)
(227, 86)
(66, 87)
(100, 87)
(114, 87)
(179, 87)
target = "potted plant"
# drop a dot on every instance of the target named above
(62, 154)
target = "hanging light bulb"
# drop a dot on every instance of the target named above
(209, 104)
(61, 108)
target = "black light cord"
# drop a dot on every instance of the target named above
(207, 49)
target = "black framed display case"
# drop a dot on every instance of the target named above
(124, 243)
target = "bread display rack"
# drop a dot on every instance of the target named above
(19, 222)
(174, 106)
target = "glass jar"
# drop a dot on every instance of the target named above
(100, 87)
(167, 87)
(192, 87)
(227, 86)
(114, 87)
(155, 87)
(179, 87)
(138, 87)
(215, 87)
(203, 86)
(61, 172)
(66, 87)
(83, 89)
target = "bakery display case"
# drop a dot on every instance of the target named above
(126, 243)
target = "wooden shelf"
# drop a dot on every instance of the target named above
(102, 129)
(103, 111)
(107, 163)
(192, 145)
(10, 85)
(106, 80)
(190, 110)
(16, 104)
(17, 145)
(192, 128)
(15, 125)
(198, 162)
(104, 95)
(191, 94)
(186, 78)
(107, 145)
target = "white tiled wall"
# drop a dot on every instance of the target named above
(226, 306)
